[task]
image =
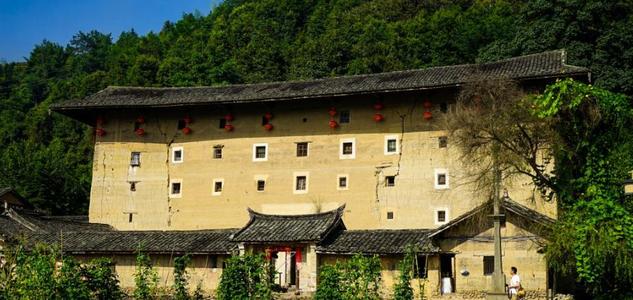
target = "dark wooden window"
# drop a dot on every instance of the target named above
(389, 215)
(344, 117)
(302, 149)
(135, 159)
(217, 151)
(261, 185)
(441, 216)
(489, 265)
(444, 107)
(391, 145)
(342, 182)
(177, 155)
(260, 152)
(222, 123)
(348, 148)
(175, 188)
(217, 187)
(390, 181)
(420, 267)
(301, 183)
(265, 120)
(181, 124)
(441, 179)
(443, 141)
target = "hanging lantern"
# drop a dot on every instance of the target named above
(378, 106)
(140, 132)
(332, 112)
(187, 120)
(298, 254)
(428, 104)
(333, 124)
(228, 127)
(100, 132)
(378, 117)
(100, 120)
(186, 130)
(229, 117)
(140, 120)
(428, 115)
(268, 126)
(268, 116)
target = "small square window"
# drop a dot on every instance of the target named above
(342, 182)
(260, 152)
(217, 151)
(390, 181)
(176, 188)
(391, 145)
(344, 117)
(348, 148)
(441, 179)
(301, 183)
(489, 265)
(133, 186)
(177, 155)
(443, 141)
(302, 149)
(135, 160)
(261, 185)
(218, 184)
(389, 215)
(441, 216)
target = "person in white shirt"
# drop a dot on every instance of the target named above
(515, 284)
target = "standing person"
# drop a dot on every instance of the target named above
(515, 284)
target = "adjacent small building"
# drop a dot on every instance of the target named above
(307, 173)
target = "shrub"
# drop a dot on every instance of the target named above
(402, 290)
(329, 287)
(181, 277)
(102, 279)
(356, 278)
(245, 277)
(145, 278)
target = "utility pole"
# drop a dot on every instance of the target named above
(498, 289)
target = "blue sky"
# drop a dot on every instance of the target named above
(25, 23)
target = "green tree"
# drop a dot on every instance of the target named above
(245, 277)
(181, 278)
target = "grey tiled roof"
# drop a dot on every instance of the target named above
(386, 241)
(536, 66)
(177, 242)
(509, 206)
(263, 228)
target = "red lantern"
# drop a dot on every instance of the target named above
(229, 117)
(186, 130)
(100, 132)
(428, 115)
(140, 132)
(228, 127)
(99, 120)
(378, 106)
(140, 120)
(268, 116)
(427, 104)
(332, 112)
(298, 255)
(333, 124)
(187, 120)
(268, 126)
(378, 117)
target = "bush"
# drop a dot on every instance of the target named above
(245, 277)
(402, 290)
(145, 278)
(181, 277)
(357, 278)
(102, 279)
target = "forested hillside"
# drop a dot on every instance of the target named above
(47, 157)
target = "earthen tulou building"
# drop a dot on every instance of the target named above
(305, 172)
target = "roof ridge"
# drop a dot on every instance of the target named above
(337, 211)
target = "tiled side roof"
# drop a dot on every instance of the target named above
(508, 205)
(542, 65)
(377, 242)
(177, 242)
(263, 228)
(53, 224)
